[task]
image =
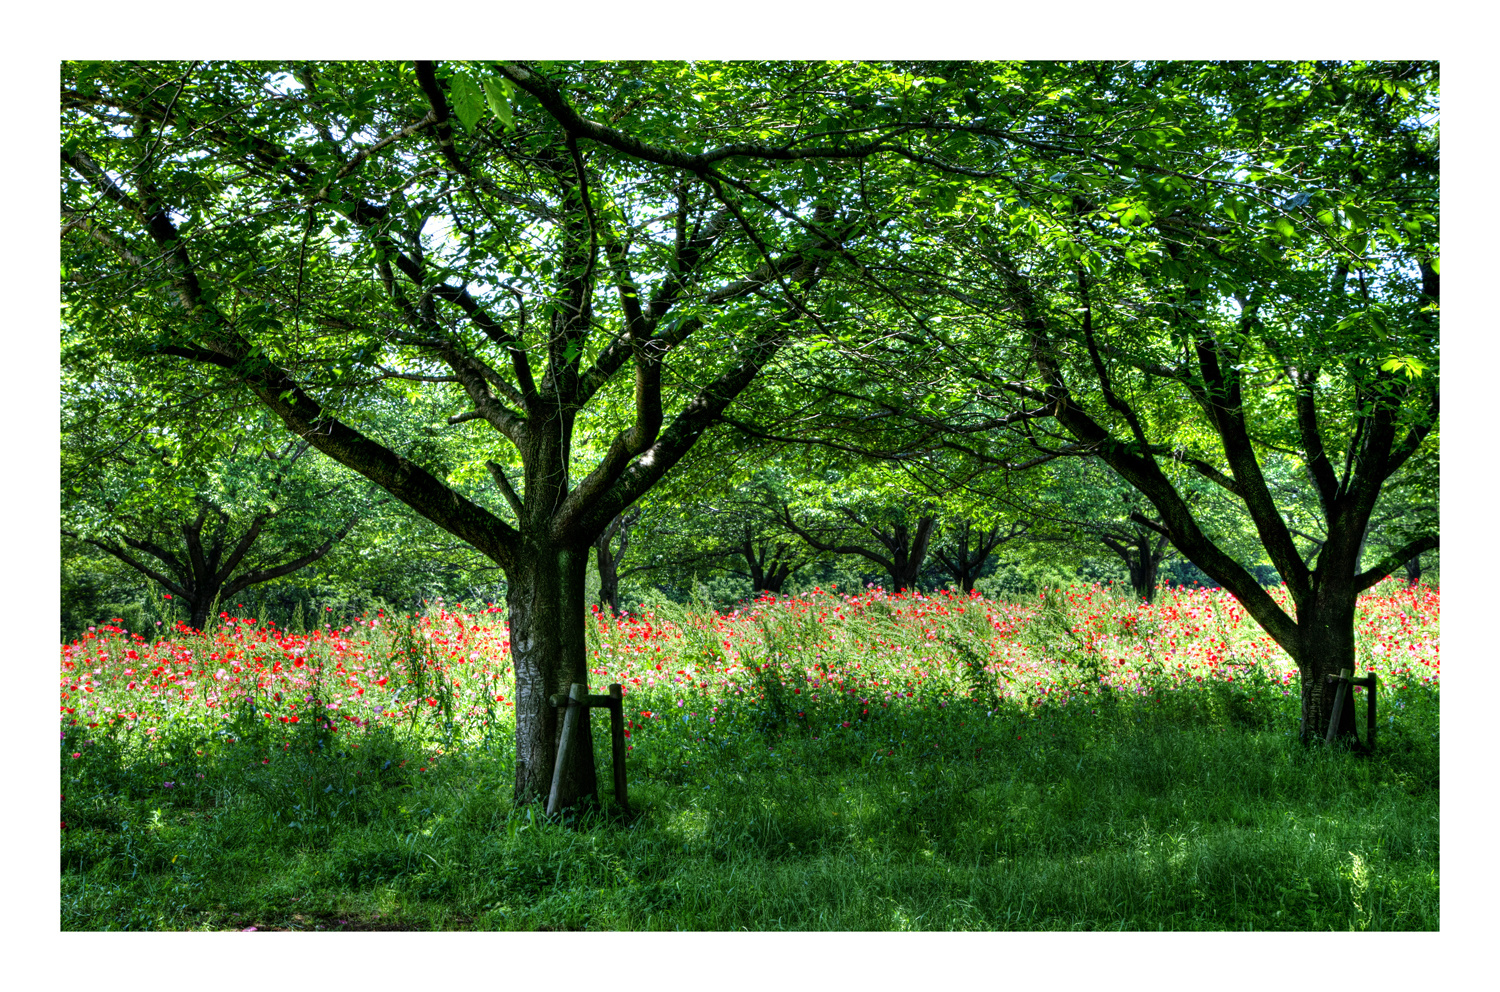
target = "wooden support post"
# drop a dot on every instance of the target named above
(617, 741)
(1338, 704)
(1345, 683)
(576, 699)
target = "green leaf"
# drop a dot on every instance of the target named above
(497, 93)
(468, 102)
(1413, 367)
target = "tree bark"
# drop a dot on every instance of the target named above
(199, 604)
(545, 601)
(1325, 635)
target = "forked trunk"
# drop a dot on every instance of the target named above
(546, 613)
(772, 581)
(908, 553)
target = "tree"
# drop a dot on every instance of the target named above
(607, 557)
(329, 234)
(738, 521)
(892, 538)
(969, 549)
(768, 562)
(204, 572)
(1252, 275)
(204, 518)
(1083, 506)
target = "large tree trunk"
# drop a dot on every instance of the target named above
(1414, 570)
(1325, 640)
(546, 613)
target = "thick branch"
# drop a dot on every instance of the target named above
(267, 574)
(1394, 560)
(442, 128)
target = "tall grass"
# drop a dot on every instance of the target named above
(868, 763)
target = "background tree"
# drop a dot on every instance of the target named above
(868, 514)
(609, 548)
(968, 549)
(205, 506)
(1221, 293)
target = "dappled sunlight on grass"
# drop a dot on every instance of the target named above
(870, 762)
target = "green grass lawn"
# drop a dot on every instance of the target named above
(1190, 807)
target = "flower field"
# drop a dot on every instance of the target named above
(852, 657)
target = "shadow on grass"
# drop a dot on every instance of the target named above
(1195, 810)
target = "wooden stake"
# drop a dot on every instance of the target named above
(617, 741)
(576, 700)
(1370, 684)
(1338, 704)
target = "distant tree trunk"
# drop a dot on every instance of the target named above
(908, 551)
(1143, 577)
(965, 563)
(1414, 570)
(1143, 553)
(608, 561)
(767, 567)
(205, 574)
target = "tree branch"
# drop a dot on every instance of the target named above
(1394, 560)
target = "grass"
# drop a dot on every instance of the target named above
(863, 763)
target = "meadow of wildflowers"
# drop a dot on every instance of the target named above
(322, 731)
(452, 666)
